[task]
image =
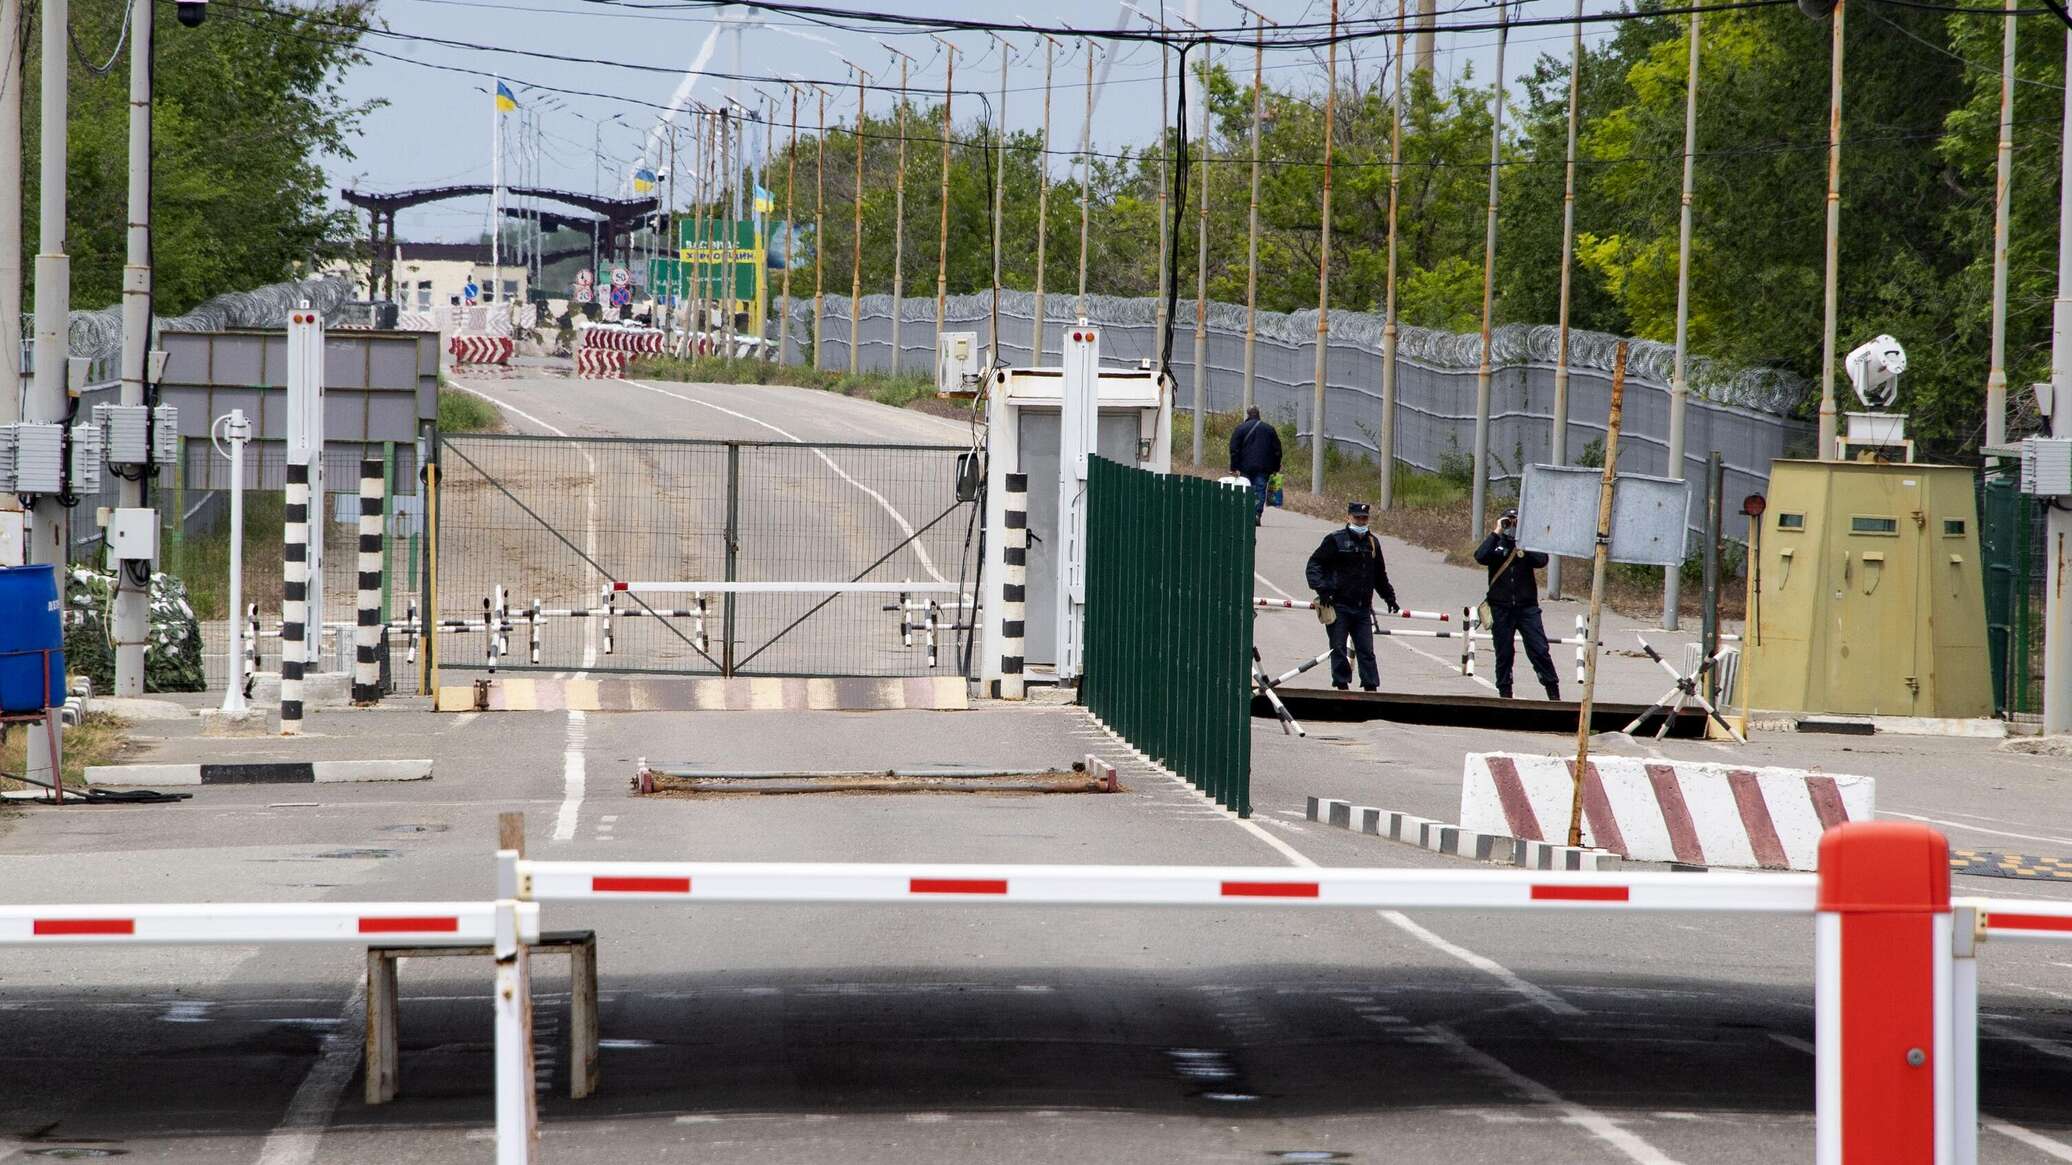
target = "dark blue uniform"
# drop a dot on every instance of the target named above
(1347, 571)
(1514, 607)
(1255, 453)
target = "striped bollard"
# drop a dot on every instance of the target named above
(251, 645)
(1885, 1038)
(1014, 589)
(611, 596)
(1470, 621)
(410, 634)
(1583, 644)
(929, 628)
(367, 624)
(294, 597)
(534, 615)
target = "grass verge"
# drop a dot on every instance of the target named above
(97, 740)
(464, 412)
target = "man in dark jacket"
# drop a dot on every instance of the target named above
(1514, 604)
(1346, 572)
(1255, 454)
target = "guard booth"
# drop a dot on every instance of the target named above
(1046, 423)
(1871, 596)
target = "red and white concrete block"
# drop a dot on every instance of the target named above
(608, 338)
(481, 349)
(601, 364)
(1685, 812)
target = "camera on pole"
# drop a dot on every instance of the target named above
(191, 13)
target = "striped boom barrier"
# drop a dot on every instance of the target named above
(607, 338)
(1014, 590)
(367, 629)
(294, 597)
(1263, 603)
(258, 923)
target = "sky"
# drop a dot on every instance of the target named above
(436, 128)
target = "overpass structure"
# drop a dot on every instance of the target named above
(614, 217)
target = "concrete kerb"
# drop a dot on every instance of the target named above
(1452, 840)
(262, 773)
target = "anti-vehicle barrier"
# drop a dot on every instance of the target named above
(1168, 625)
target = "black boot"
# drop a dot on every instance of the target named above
(1504, 692)
(1553, 692)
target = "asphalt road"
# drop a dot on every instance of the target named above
(899, 1034)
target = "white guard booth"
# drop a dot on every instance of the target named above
(1045, 423)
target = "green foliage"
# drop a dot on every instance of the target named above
(246, 109)
(464, 412)
(172, 652)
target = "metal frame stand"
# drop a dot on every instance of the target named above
(1684, 692)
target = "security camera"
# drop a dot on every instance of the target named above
(1817, 9)
(1874, 370)
(191, 12)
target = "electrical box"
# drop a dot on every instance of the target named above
(132, 535)
(7, 463)
(123, 429)
(2047, 466)
(957, 363)
(39, 457)
(1027, 412)
(1870, 598)
(86, 458)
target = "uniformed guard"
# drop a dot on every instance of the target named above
(1346, 572)
(1514, 604)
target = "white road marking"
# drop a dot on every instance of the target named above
(1794, 1043)
(1270, 585)
(1595, 1123)
(898, 519)
(573, 775)
(462, 720)
(2037, 1141)
(2036, 1044)
(1975, 828)
(296, 1139)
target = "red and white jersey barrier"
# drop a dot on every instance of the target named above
(611, 338)
(481, 349)
(427, 923)
(601, 365)
(1666, 811)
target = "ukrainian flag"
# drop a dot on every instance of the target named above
(643, 180)
(765, 202)
(505, 101)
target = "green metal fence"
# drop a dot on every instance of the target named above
(1169, 623)
(2011, 542)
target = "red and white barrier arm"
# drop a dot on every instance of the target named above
(426, 923)
(2012, 918)
(785, 588)
(1402, 889)
(1264, 603)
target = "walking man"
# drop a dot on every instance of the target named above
(1346, 572)
(1514, 604)
(1255, 454)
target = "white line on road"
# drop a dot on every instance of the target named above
(1975, 828)
(1588, 1119)
(573, 776)
(296, 1139)
(2036, 1141)
(899, 519)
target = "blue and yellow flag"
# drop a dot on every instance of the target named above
(765, 202)
(504, 100)
(643, 180)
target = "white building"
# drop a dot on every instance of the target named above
(434, 275)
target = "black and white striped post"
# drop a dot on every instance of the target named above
(1014, 588)
(294, 597)
(367, 623)
(251, 647)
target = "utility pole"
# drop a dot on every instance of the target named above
(1558, 438)
(999, 190)
(1480, 495)
(1679, 379)
(1996, 375)
(942, 236)
(898, 208)
(1201, 256)
(10, 215)
(791, 233)
(819, 218)
(1042, 206)
(1165, 106)
(856, 236)
(1323, 354)
(47, 399)
(701, 195)
(1086, 179)
(1834, 236)
(132, 594)
(1259, 23)
(1386, 497)
(1427, 13)
(2057, 554)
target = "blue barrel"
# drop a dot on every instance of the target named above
(21, 681)
(29, 609)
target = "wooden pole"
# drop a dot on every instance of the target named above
(1834, 236)
(1386, 495)
(791, 234)
(1601, 557)
(856, 239)
(1042, 206)
(1316, 412)
(942, 233)
(819, 218)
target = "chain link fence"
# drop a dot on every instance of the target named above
(1742, 412)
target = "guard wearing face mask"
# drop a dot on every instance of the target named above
(1514, 605)
(1346, 572)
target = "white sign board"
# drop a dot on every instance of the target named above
(1557, 514)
